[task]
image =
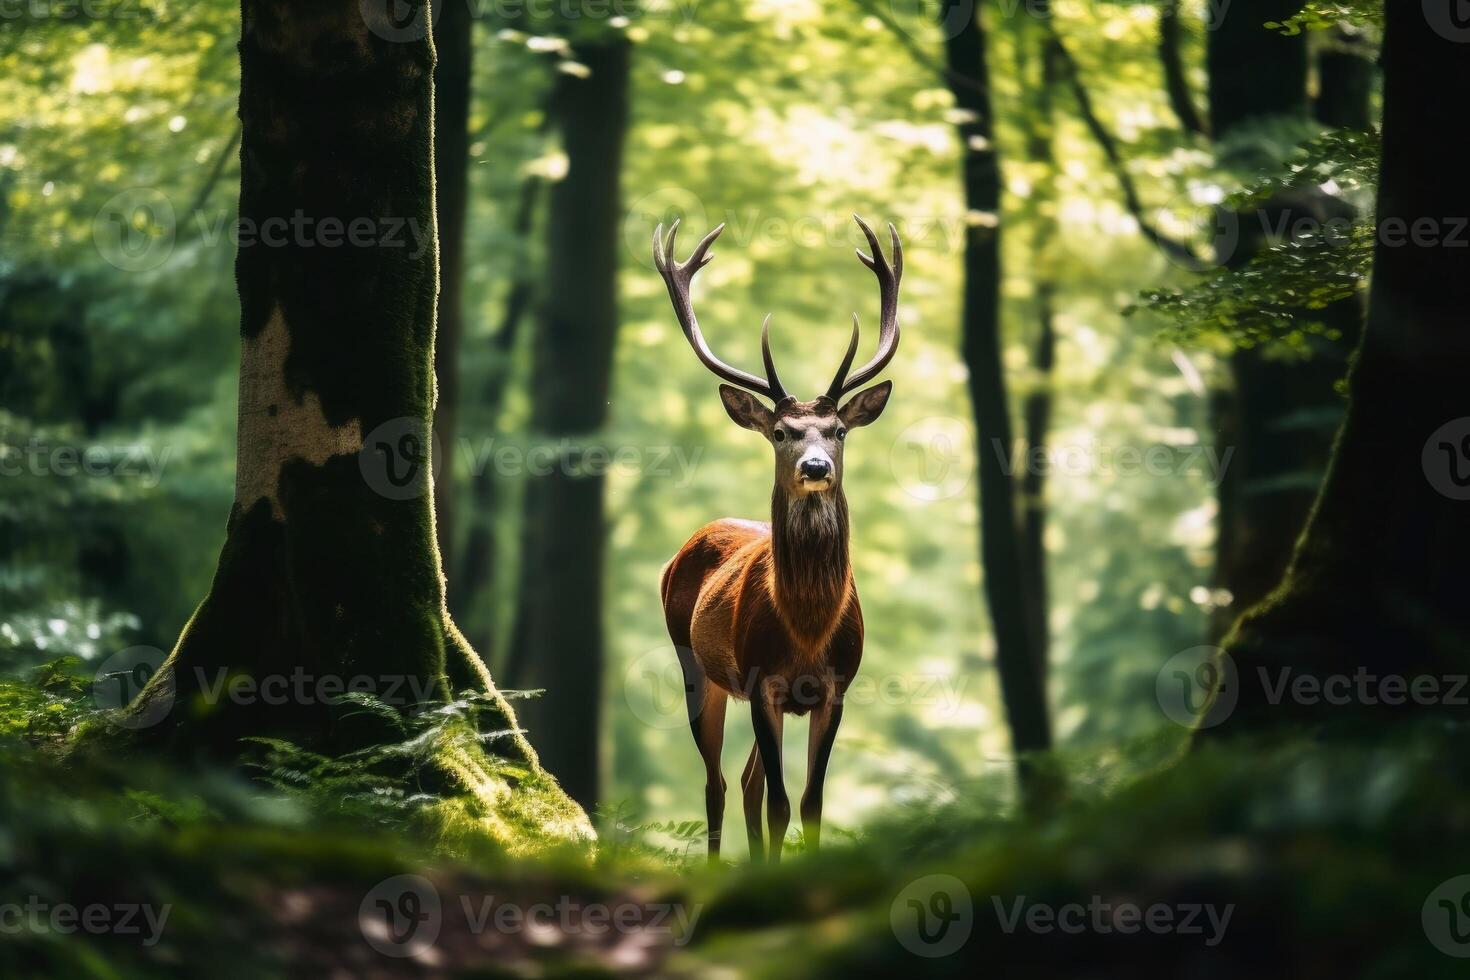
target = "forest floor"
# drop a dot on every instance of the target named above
(1301, 857)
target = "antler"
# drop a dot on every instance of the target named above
(677, 276)
(888, 278)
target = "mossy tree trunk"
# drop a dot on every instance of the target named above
(1002, 547)
(1282, 408)
(1377, 585)
(454, 56)
(330, 571)
(557, 643)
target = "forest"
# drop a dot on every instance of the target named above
(393, 582)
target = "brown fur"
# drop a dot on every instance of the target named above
(782, 605)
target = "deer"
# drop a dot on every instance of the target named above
(767, 612)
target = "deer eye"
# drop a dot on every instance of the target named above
(841, 434)
(779, 435)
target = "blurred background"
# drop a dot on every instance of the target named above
(119, 338)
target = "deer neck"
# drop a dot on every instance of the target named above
(811, 577)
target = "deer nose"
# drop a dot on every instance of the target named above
(816, 469)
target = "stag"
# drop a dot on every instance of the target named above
(768, 612)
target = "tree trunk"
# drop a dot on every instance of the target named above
(1002, 553)
(1176, 81)
(454, 51)
(558, 638)
(1279, 416)
(330, 575)
(1345, 73)
(1041, 86)
(1378, 584)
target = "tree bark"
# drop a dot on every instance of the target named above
(1378, 582)
(1280, 413)
(330, 574)
(1002, 552)
(558, 638)
(454, 51)
(1176, 81)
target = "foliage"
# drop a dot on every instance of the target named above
(1318, 16)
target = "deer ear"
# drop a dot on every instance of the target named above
(747, 410)
(866, 405)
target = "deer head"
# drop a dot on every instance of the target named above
(807, 436)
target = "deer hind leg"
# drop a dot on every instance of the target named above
(766, 719)
(823, 733)
(706, 704)
(753, 786)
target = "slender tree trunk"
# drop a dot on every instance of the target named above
(1002, 549)
(454, 49)
(1176, 80)
(558, 638)
(1043, 48)
(330, 575)
(1377, 586)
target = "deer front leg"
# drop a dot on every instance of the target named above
(767, 725)
(819, 749)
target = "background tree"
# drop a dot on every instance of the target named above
(1374, 584)
(1281, 409)
(1003, 554)
(557, 643)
